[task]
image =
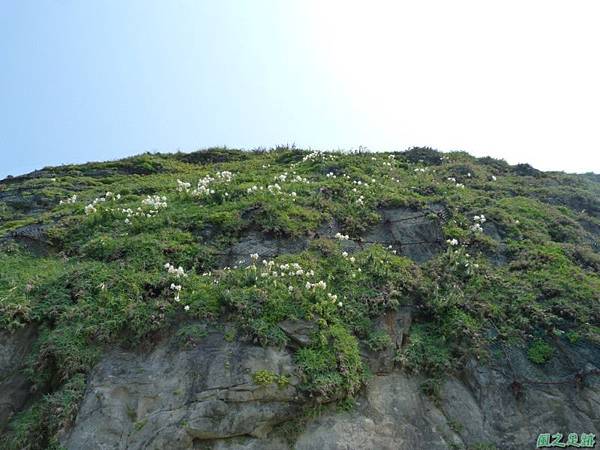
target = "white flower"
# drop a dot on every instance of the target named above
(340, 304)
(290, 288)
(72, 199)
(345, 254)
(452, 242)
(254, 256)
(183, 186)
(178, 272)
(155, 201)
(90, 209)
(186, 307)
(493, 178)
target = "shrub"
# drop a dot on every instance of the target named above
(540, 352)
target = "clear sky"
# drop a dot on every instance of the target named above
(101, 79)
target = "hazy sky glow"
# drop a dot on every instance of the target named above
(97, 80)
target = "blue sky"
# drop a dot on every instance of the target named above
(97, 80)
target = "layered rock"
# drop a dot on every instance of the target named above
(208, 397)
(172, 397)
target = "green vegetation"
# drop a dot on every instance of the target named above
(191, 335)
(540, 352)
(264, 378)
(138, 252)
(37, 426)
(379, 340)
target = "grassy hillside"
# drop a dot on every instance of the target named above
(117, 253)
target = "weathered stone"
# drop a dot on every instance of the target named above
(299, 331)
(413, 233)
(392, 415)
(14, 387)
(205, 398)
(263, 245)
(170, 398)
(396, 325)
(33, 237)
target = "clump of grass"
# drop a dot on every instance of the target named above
(540, 352)
(265, 378)
(37, 426)
(191, 335)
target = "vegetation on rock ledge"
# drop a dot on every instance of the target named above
(113, 253)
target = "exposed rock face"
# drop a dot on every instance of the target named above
(172, 397)
(299, 331)
(33, 237)
(416, 234)
(265, 246)
(14, 388)
(392, 415)
(479, 407)
(205, 398)
(396, 325)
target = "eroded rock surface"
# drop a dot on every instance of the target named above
(415, 233)
(206, 398)
(14, 388)
(478, 407)
(264, 245)
(171, 397)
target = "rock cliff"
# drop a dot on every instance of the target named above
(298, 300)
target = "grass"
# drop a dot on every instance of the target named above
(540, 352)
(104, 282)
